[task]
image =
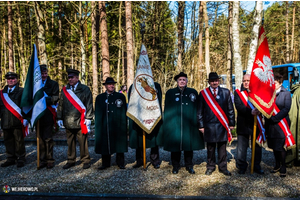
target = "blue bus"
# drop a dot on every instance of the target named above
(290, 73)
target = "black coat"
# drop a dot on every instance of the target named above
(51, 88)
(8, 120)
(245, 119)
(68, 113)
(283, 102)
(214, 131)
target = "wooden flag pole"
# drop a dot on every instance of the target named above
(38, 143)
(144, 149)
(253, 143)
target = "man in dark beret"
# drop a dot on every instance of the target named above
(75, 112)
(215, 120)
(180, 132)
(48, 120)
(111, 125)
(12, 121)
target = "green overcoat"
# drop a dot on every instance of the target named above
(110, 124)
(180, 131)
(136, 133)
(294, 115)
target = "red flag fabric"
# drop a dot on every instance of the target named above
(262, 92)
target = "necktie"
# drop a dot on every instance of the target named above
(72, 88)
(215, 93)
(9, 90)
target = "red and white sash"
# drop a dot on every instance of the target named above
(217, 110)
(15, 110)
(53, 111)
(76, 102)
(261, 138)
(289, 139)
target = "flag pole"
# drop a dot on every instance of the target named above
(144, 149)
(38, 143)
(253, 143)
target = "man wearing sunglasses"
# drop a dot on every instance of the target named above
(75, 112)
(12, 121)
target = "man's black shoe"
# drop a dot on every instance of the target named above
(86, 165)
(241, 171)
(121, 166)
(50, 165)
(68, 165)
(175, 170)
(102, 167)
(209, 172)
(190, 170)
(225, 172)
(7, 163)
(156, 166)
(137, 165)
(43, 165)
(259, 171)
(275, 170)
(20, 164)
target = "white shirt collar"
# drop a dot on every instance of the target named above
(212, 90)
(75, 86)
(11, 89)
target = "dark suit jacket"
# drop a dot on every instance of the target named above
(214, 131)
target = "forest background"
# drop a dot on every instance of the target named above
(102, 39)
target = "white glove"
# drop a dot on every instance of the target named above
(87, 122)
(60, 123)
(25, 122)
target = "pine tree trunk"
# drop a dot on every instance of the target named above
(180, 30)
(95, 49)
(104, 42)
(40, 34)
(10, 38)
(201, 65)
(236, 44)
(82, 46)
(21, 47)
(287, 33)
(229, 49)
(129, 41)
(60, 64)
(207, 65)
(293, 33)
(120, 46)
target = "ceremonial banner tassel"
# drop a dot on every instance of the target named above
(143, 107)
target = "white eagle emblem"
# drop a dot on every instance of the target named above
(265, 73)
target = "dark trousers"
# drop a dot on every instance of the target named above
(154, 155)
(188, 158)
(120, 159)
(241, 157)
(82, 140)
(46, 143)
(14, 144)
(211, 155)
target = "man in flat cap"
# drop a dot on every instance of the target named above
(48, 120)
(216, 120)
(111, 125)
(75, 112)
(180, 132)
(12, 122)
(136, 136)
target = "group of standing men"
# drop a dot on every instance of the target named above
(189, 120)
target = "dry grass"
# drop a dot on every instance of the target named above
(153, 181)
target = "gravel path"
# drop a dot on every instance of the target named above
(153, 181)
